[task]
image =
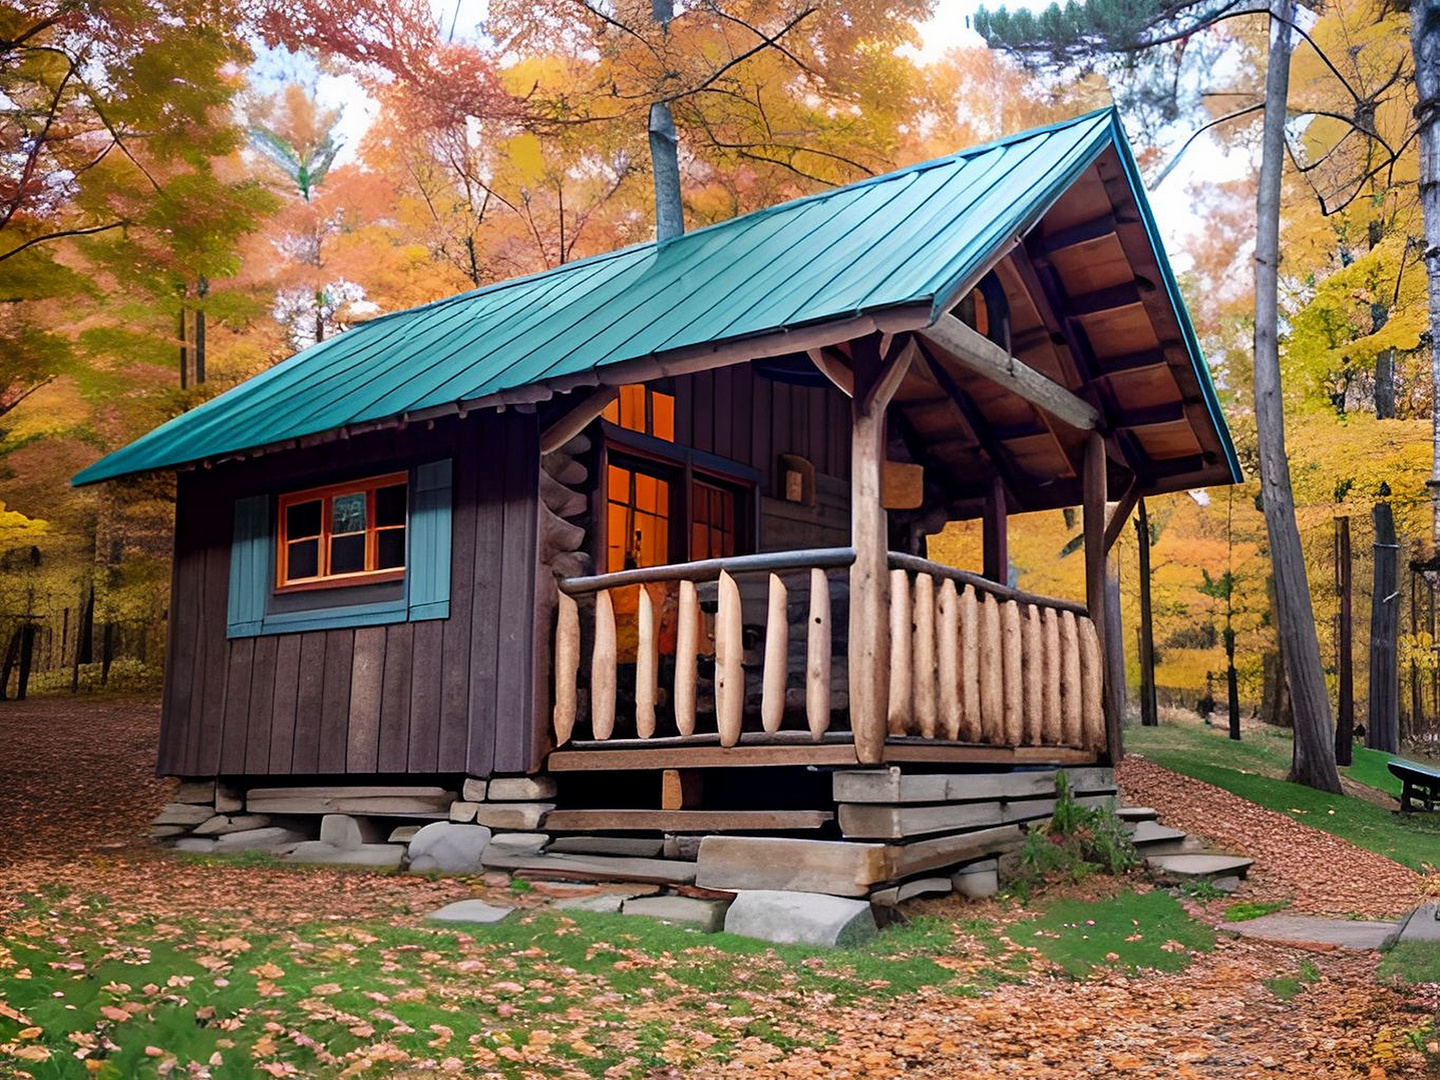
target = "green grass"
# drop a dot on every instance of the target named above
(1245, 910)
(1133, 931)
(1253, 769)
(337, 991)
(1286, 987)
(1411, 962)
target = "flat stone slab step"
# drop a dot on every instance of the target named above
(597, 868)
(1136, 813)
(1152, 832)
(1313, 931)
(1195, 866)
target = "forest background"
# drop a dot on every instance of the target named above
(183, 204)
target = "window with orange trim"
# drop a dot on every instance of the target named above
(344, 534)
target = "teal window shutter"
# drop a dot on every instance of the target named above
(249, 566)
(428, 562)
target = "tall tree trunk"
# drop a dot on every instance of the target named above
(665, 150)
(1344, 645)
(1314, 744)
(1149, 710)
(1425, 43)
(184, 350)
(200, 333)
(1383, 730)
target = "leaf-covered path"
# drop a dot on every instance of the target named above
(295, 972)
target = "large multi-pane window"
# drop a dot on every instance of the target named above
(342, 534)
(638, 525)
(712, 521)
(644, 409)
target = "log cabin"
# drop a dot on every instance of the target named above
(652, 525)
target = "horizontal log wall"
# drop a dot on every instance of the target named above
(439, 696)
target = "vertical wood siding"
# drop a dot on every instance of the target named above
(438, 696)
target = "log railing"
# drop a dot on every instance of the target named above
(970, 660)
(719, 633)
(975, 661)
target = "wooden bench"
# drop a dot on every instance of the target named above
(1419, 784)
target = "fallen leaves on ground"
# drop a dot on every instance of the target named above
(281, 971)
(1319, 873)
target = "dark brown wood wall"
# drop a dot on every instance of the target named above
(736, 414)
(432, 697)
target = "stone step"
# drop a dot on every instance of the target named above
(1309, 930)
(1137, 813)
(1152, 838)
(1199, 866)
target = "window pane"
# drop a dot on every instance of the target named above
(391, 549)
(615, 538)
(302, 519)
(632, 407)
(304, 560)
(347, 553)
(347, 514)
(662, 407)
(390, 505)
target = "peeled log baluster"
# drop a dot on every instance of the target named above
(948, 665)
(1052, 725)
(567, 667)
(992, 675)
(777, 656)
(1014, 683)
(647, 660)
(969, 666)
(817, 656)
(602, 668)
(1072, 708)
(729, 662)
(1034, 664)
(687, 646)
(924, 654)
(901, 661)
(1092, 688)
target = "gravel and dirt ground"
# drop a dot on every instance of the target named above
(77, 790)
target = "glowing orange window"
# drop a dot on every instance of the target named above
(712, 521)
(643, 409)
(638, 522)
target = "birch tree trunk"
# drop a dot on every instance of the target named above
(1425, 43)
(1314, 747)
(665, 150)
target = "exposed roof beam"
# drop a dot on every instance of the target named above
(975, 420)
(1108, 299)
(1136, 361)
(834, 370)
(1115, 524)
(1083, 233)
(577, 418)
(982, 356)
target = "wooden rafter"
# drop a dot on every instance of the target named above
(982, 356)
(577, 418)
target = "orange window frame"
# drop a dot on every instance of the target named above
(326, 496)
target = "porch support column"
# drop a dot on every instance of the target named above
(996, 534)
(1095, 495)
(876, 378)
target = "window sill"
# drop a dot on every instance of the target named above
(340, 618)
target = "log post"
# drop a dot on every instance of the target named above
(1095, 495)
(948, 664)
(567, 667)
(995, 534)
(777, 656)
(876, 380)
(687, 646)
(902, 661)
(971, 727)
(923, 670)
(729, 663)
(817, 656)
(647, 662)
(602, 668)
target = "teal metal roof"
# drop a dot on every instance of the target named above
(904, 238)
